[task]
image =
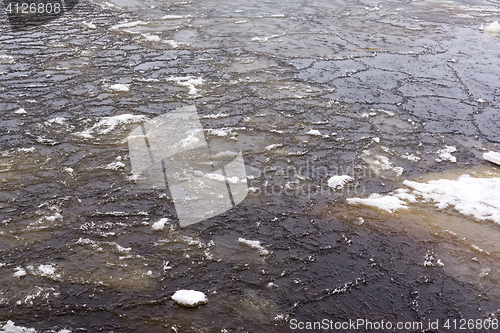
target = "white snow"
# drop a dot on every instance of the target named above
(254, 244)
(225, 154)
(160, 224)
(337, 182)
(493, 28)
(20, 272)
(264, 39)
(219, 177)
(313, 132)
(445, 154)
(57, 120)
(189, 298)
(388, 203)
(215, 116)
(404, 194)
(6, 59)
(26, 150)
(410, 157)
(151, 38)
(88, 25)
(430, 260)
(381, 165)
(10, 327)
(275, 145)
(189, 82)
(475, 197)
(119, 87)
(192, 140)
(20, 111)
(107, 124)
(175, 17)
(128, 25)
(47, 270)
(316, 133)
(223, 132)
(492, 157)
(172, 43)
(54, 217)
(115, 166)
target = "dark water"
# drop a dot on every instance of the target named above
(379, 80)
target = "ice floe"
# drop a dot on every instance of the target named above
(189, 298)
(118, 87)
(474, 197)
(492, 28)
(254, 244)
(215, 116)
(121, 26)
(20, 272)
(160, 224)
(88, 25)
(10, 327)
(338, 182)
(108, 124)
(381, 165)
(431, 260)
(117, 165)
(445, 154)
(48, 270)
(314, 132)
(188, 82)
(388, 203)
(410, 157)
(57, 120)
(175, 17)
(6, 59)
(274, 145)
(157, 39)
(492, 157)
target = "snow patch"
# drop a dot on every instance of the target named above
(338, 182)
(20, 272)
(115, 166)
(88, 25)
(492, 28)
(410, 157)
(189, 298)
(381, 165)
(215, 116)
(492, 157)
(387, 203)
(10, 327)
(475, 197)
(445, 154)
(6, 59)
(160, 224)
(189, 82)
(118, 87)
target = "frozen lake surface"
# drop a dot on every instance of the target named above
(362, 125)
